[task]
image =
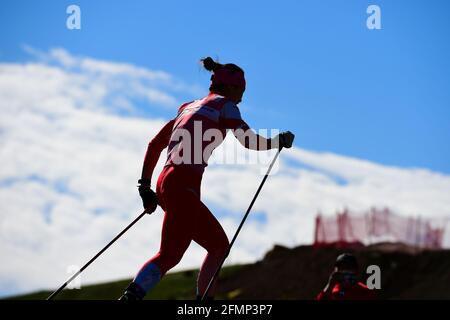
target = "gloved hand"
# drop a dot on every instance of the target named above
(149, 198)
(285, 139)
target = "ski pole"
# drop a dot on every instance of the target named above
(205, 294)
(96, 256)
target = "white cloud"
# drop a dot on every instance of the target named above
(70, 163)
(156, 87)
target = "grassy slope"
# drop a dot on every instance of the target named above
(178, 285)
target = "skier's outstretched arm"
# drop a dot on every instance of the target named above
(231, 118)
(251, 140)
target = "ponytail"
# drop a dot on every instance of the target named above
(211, 65)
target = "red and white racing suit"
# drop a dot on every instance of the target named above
(198, 128)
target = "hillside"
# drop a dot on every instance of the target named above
(177, 285)
(300, 273)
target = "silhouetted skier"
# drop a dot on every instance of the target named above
(178, 188)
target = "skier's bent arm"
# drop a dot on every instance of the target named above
(154, 149)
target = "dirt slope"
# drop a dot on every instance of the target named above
(301, 272)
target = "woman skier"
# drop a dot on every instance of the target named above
(186, 217)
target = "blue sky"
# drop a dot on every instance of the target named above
(312, 66)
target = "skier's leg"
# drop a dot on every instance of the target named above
(179, 196)
(176, 235)
(175, 239)
(211, 236)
